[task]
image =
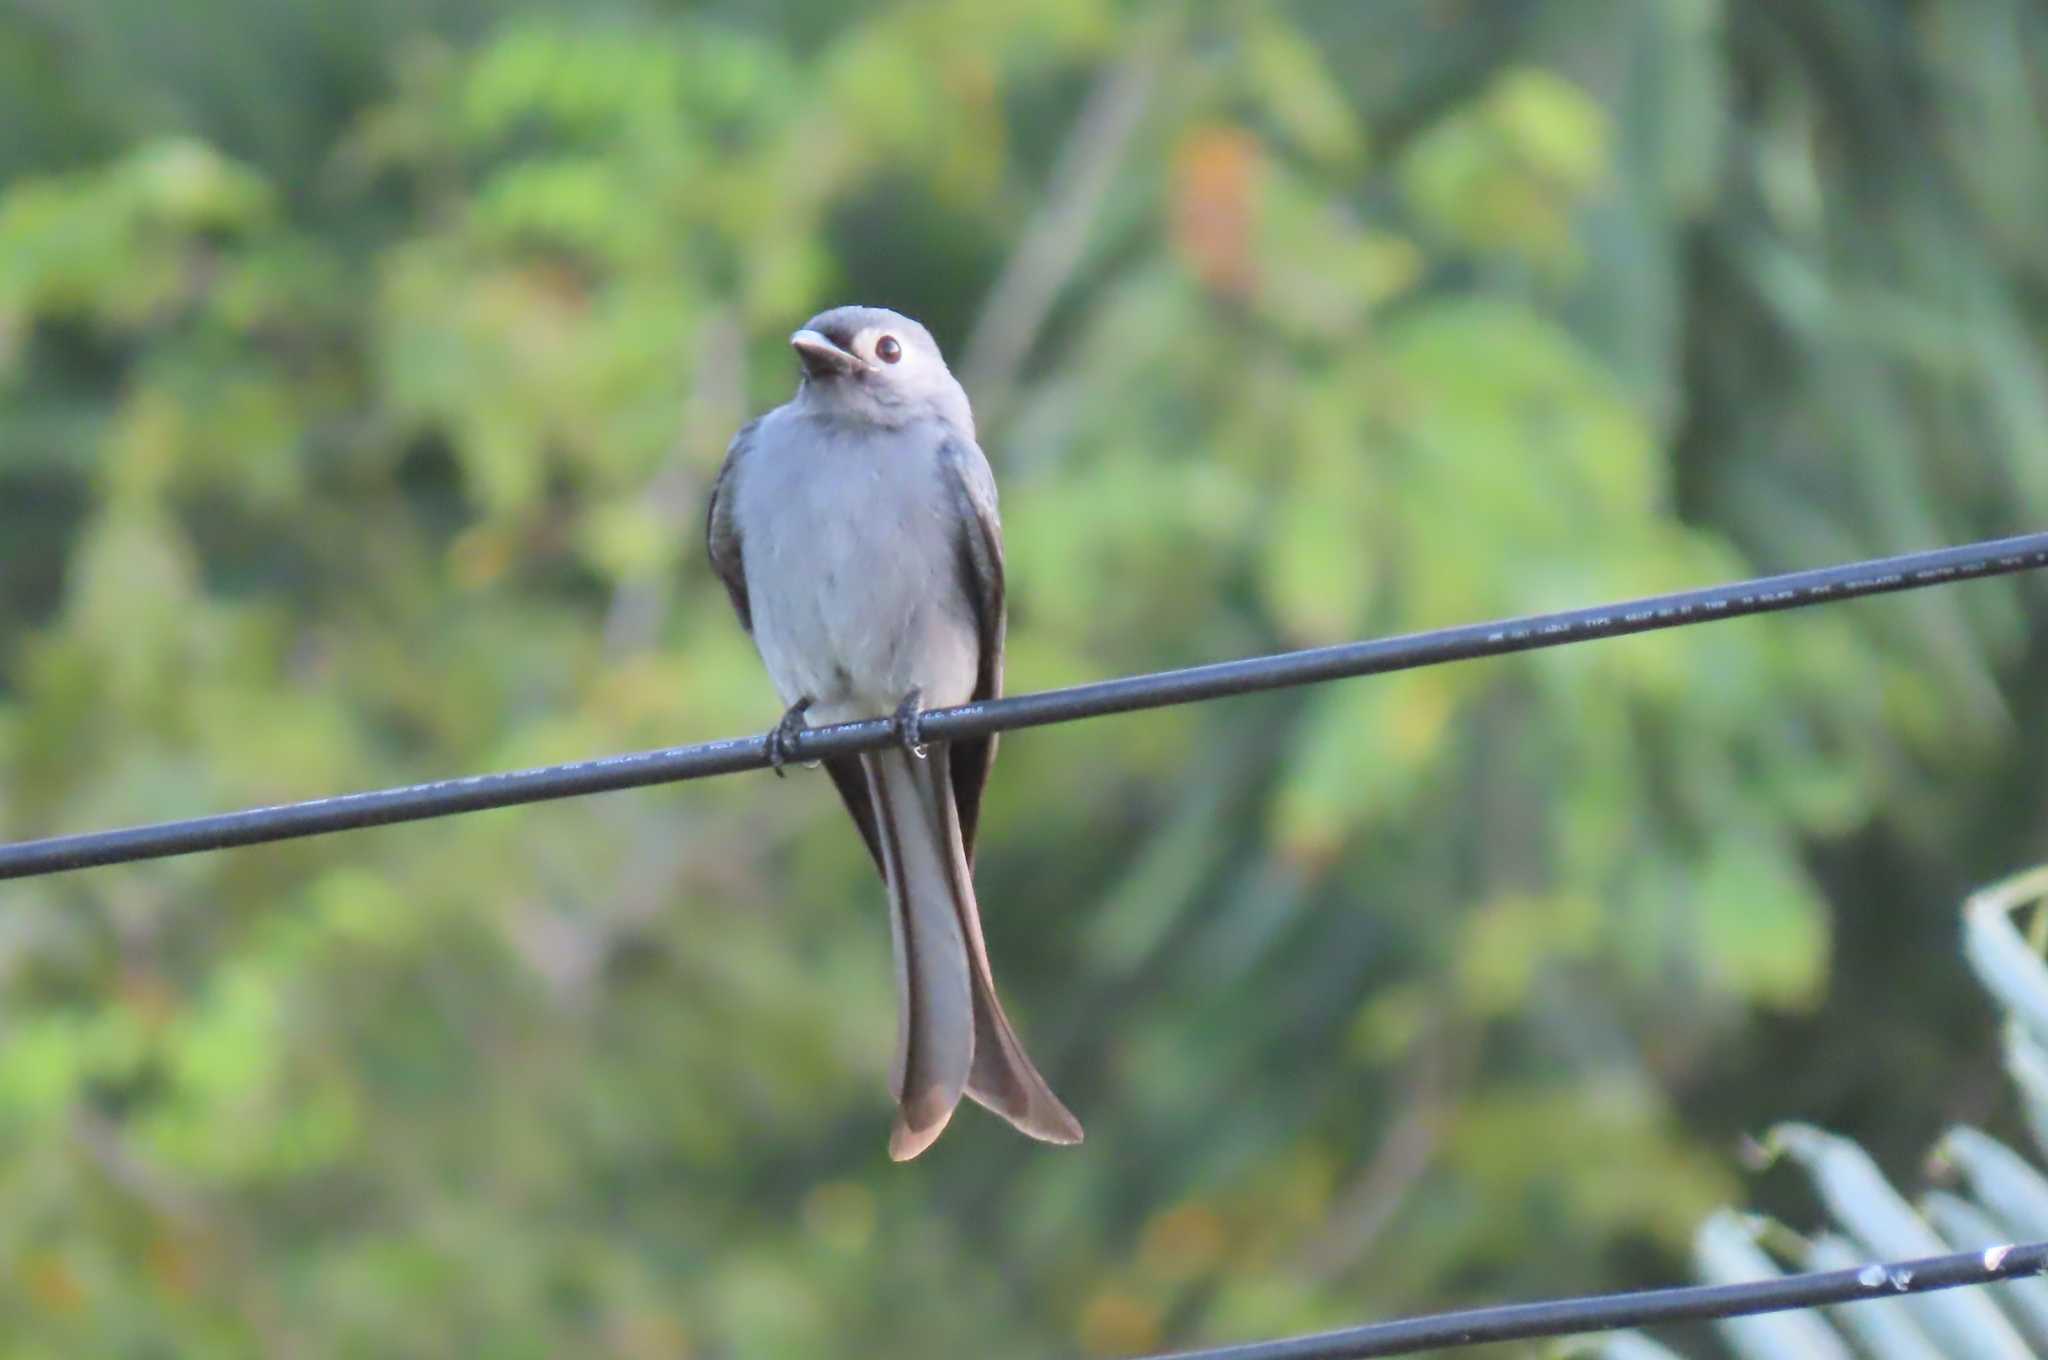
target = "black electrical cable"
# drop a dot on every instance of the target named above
(441, 798)
(1606, 1312)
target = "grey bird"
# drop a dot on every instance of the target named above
(855, 528)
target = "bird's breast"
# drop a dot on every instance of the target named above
(852, 573)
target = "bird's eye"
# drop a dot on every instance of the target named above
(887, 350)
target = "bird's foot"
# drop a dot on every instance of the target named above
(781, 740)
(909, 722)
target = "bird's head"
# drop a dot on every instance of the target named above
(870, 363)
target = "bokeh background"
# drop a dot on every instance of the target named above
(362, 371)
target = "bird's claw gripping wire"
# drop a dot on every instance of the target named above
(781, 739)
(909, 722)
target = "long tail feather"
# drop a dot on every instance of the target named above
(935, 1007)
(952, 1034)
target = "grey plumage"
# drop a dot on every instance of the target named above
(855, 529)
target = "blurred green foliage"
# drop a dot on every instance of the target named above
(361, 371)
(1994, 1197)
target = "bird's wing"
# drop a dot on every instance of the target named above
(980, 558)
(722, 530)
(722, 540)
(852, 782)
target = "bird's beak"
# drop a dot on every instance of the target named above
(821, 358)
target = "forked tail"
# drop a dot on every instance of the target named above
(951, 1033)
